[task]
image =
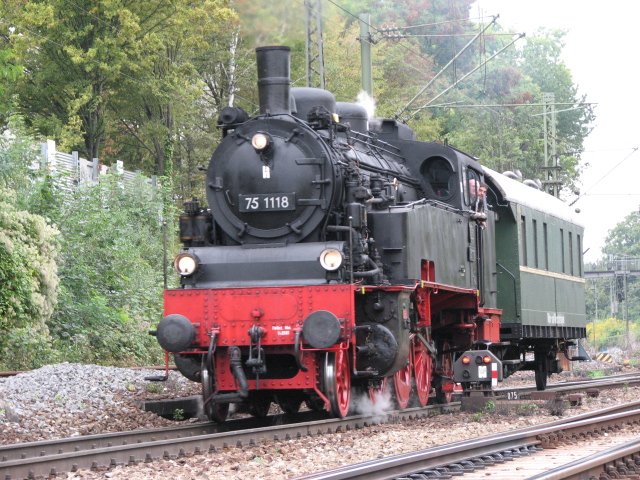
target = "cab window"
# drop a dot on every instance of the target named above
(439, 174)
(472, 188)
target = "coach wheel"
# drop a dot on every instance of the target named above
(217, 412)
(337, 382)
(542, 370)
(444, 393)
(290, 402)
(259, 404)
(377, 392)
(422, 366)
(402, 385)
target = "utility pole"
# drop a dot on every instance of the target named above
(625, 312)
(551, 165)
(595, 320)
(618, 271)
(314, 46)
(365, 53)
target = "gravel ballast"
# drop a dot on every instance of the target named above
(65, 400)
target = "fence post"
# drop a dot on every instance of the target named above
(76, 167)
(95, 166)
(48, 155)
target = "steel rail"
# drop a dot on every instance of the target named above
(620, 459)
(57, 456)
(41, 448)
(470, 454)
(577, 385)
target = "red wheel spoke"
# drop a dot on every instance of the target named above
(422, 366)
(402, 385)
(377, 393)
(446, 366)
(338, 382)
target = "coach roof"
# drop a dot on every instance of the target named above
(517, 192)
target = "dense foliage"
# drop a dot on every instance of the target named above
(84, 281)
(28, 269)
(111, 272)
(610, 332)
(29, 282)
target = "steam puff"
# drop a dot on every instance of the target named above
(368, 103)
(377, 408)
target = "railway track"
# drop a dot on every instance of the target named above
(46, 458)
(467, 457)
(621, 461)
(610, 381)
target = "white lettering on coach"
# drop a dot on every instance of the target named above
(555, 319)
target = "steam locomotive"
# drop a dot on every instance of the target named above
(339, 256)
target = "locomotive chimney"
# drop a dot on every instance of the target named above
(274, 79)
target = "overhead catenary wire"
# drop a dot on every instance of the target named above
(633, 150)
(415, 112)
(409, 49)
(506, 105)
(436, 35)
(466, 47)
(434, 24)
(420, 55)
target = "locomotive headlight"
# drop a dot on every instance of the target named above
(185, 264)
(331, 259)
(260, 141)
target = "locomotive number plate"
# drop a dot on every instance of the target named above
(270, 202)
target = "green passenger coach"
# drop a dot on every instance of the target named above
(540, 274)
(539, 282)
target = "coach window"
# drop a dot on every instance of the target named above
(571, 253)
(579, 256)
(524, 240)
(545, 238)
(562, 249)
(535, 243)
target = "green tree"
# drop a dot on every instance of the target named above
(621, 252)
(10, 72)
(161, 96)
(542, 62)
(86, 57)
(624, 238)
(75, 53)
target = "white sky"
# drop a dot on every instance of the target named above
(601, 50)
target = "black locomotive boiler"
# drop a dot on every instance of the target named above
(339, 254)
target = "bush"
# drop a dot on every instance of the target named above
(612, 332)
(28, 283)
(27, 348)
(18, 154)
(111, 270)
(108, 255)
